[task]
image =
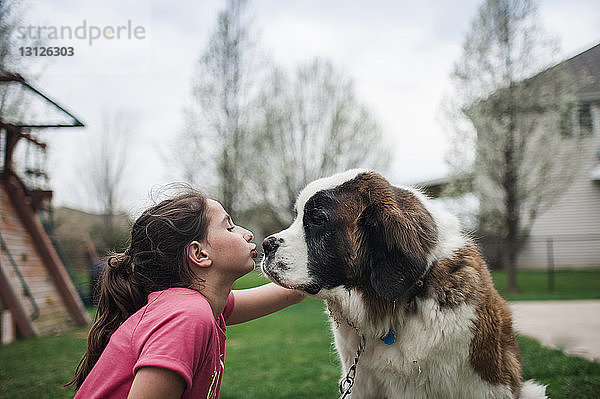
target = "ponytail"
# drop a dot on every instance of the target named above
(119, 299)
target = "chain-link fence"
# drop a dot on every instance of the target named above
(549, 253)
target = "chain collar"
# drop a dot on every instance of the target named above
(347, 382)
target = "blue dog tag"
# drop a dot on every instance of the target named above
(390, 338)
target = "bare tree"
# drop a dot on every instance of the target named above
(511, 115)
(12, 101)
(260, 135)
(307, 127)
(212, 145)
(104, 170)
(10, 18)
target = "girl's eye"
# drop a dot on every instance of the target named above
(230, 228)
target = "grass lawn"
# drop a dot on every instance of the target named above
(533, 285)
(285, 355)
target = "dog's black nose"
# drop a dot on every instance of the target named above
(270, 245)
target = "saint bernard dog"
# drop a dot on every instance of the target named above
(403, 282)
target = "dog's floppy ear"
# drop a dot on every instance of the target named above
(396, 233)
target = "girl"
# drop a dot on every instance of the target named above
(164, 303)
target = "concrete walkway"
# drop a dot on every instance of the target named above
(572, 326)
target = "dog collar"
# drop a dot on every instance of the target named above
(390, 337)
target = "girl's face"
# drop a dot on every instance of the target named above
(229, 246)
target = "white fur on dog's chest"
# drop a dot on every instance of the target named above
(428, 360)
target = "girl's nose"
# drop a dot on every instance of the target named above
(248, 235)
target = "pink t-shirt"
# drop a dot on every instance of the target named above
(176, 330)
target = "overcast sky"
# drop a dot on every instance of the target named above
(398, 53)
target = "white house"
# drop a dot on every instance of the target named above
(568, 233)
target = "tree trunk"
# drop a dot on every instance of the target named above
(512, 202)
(512, 229)
(108, 229)
(511, 252)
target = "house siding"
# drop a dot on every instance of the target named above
(570, 230)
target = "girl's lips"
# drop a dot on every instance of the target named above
(254, 254)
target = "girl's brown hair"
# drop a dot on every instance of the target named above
(154, 261)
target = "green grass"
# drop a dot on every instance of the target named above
(566, 376)
(250, 280)
(285, 355)
(38, 367)
(533, 285)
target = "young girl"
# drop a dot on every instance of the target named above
(164, 303)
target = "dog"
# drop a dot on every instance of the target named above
(413, 309)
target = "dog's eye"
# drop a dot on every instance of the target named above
(319, 217)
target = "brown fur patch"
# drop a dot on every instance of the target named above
(408, 228)
(406, 221)
(494, 352)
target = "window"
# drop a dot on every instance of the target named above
(566, 123)
(584, 119)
